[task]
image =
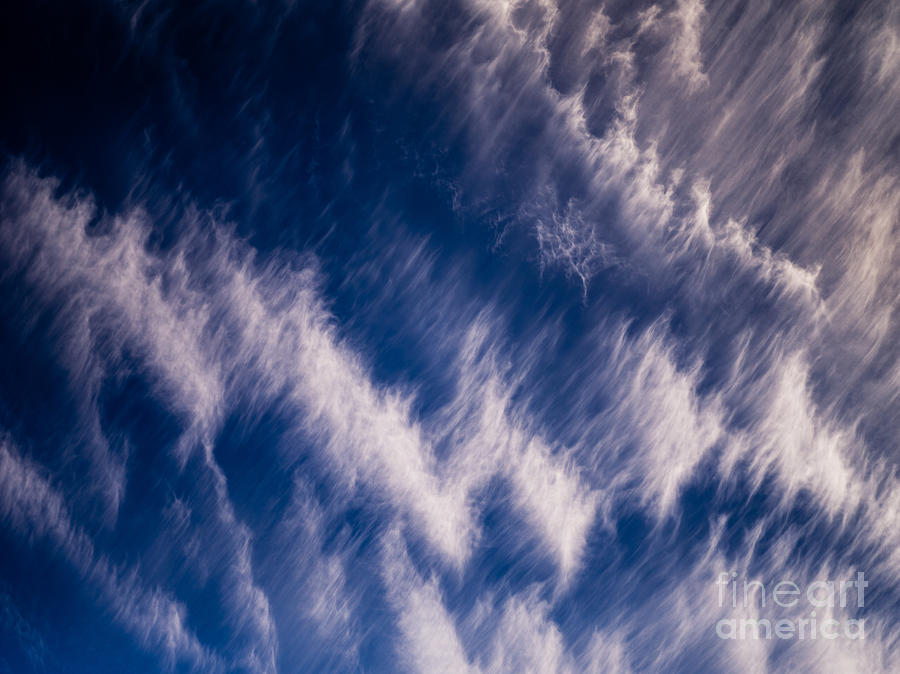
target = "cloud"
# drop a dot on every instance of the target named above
(429, 640)
(671, 189)
(517, 634)
(686, 47)
(28, 637)
(134, 299)
(729, 225)
(33, 508)
(207, 318)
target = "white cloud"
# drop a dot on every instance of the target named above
(30, 504)
(211, 322)
(686, 54)
(429, 639)
(140, 300)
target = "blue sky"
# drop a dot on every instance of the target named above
(448, 336)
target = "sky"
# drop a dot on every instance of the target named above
(480, 336)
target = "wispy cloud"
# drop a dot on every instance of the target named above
(150, 615)
(503, 476)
